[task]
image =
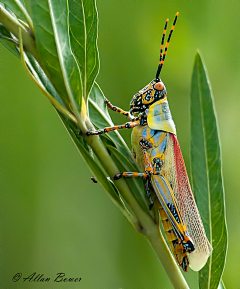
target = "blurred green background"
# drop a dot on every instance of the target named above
(53, 218)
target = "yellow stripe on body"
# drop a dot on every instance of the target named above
(176, 247)
(167, 191)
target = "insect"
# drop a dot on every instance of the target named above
(157, 151)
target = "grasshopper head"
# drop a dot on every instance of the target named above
(151, 93)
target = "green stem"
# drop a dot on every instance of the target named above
(164, 255)
(13, 25)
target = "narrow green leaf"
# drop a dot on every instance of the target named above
(34, 76)
(18, 8)
(7, 40)
(83, 23)
(50, 18)
(100, 118)
(206, 173)
(46, 45)
(42, 77)
(10, 21)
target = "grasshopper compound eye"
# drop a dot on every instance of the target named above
(159, 86)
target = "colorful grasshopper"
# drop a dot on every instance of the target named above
(157, 151)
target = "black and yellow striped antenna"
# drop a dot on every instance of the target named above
(163, 55)
(162, 42)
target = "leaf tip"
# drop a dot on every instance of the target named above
(198, 57)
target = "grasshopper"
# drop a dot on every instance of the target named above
(157, 151)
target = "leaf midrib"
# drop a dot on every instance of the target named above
(207, 171)
(85, 54)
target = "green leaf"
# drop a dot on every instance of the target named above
(50, 19)
(42, 77)
(74, 133)
(100, 118)
(206, 173)
(83, 23)
(18, 8)
(7, 40)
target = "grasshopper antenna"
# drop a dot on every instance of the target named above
(163, 55)
(161, 50)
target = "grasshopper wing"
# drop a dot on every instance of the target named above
(176, 174)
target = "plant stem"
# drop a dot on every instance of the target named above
(13, 25)
(164, 255)
(144, 219)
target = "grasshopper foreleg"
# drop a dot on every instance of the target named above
(129, 124)
(119, 110)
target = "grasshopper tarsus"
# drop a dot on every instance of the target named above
(117, 176)
(151, 205)
(96, 132)
(94, 180)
